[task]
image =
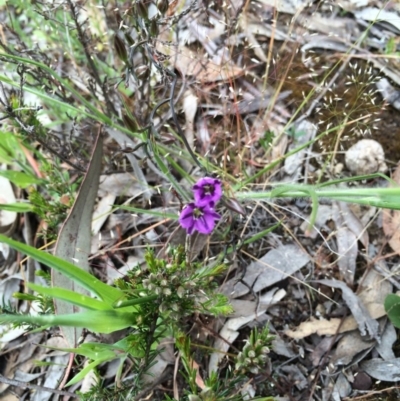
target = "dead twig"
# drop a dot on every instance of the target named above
(18, 383)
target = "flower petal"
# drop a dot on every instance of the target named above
(209, 220)
(207, 191)
(204, 225)
(186, 218)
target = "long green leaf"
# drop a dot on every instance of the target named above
(97, 321)
(81, 375)
(86, 280)
(71, 297)
(20, 179)
(19, 207)
(93, 350)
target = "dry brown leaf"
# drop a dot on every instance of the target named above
(382, 370)
(374, 287)
(203, 134)
(199, 379)
(391, 225)
(9, 397)
(102, 210)
(205, 70)
(318, 22)
(229, 331)
(391, 220)
(190, 103)
(346, 242)
(286, 6)
(190, 63)
(249, 30)
(349, 346)
(377, 14)
(330, 327)
(273, 267)
(366, 324)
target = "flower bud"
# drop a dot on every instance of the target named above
(162, 6)
(153, 28)
(132, 126)
(167, 291)
(174, 315)
(129, 39)
(265, 350)
(251, 354)
(180, 292)
(246, 348)
(142, 72)
(141, 9)
(120, 48)
(247, 361)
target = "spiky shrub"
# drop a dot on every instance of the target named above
(216, 387)
(181, 288)
(254, 355)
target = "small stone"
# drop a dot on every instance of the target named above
(366, 157)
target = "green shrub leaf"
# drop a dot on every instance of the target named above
(392, 308)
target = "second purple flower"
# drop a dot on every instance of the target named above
(207, 191)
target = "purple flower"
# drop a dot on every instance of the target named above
(198, 218)
(207, 191)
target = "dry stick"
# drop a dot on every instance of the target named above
(370, 393)
(30, 130)
(175, 382)
(18, 383)
(144, 394)
(130, 238)
(83, 39)
(30, 261)
(387, 275)
(338, 137)
(324, 358)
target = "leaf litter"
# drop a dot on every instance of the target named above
(275, 280)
